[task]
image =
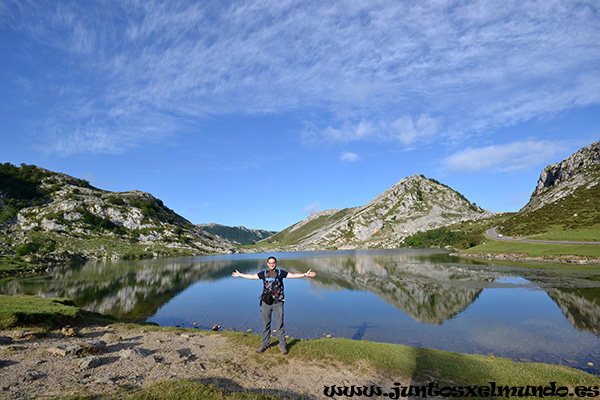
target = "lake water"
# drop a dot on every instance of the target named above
(425, 298)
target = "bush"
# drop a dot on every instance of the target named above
(35, 246)
(442, 237)
(98, 223)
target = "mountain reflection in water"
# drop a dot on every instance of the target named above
(416, 297)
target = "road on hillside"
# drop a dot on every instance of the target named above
(494, 235)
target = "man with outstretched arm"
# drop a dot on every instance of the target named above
(271, 300)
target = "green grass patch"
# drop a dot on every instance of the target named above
(536, 249)
(190, 390)
(424, 365)
(591, 234)
(459, 236)
(19, 311)
(15, 265)
(579, 211)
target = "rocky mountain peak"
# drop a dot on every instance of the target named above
(561, 179)
(412, 205)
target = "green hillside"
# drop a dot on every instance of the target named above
(574, 217)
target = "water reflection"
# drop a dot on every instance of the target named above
(418, 297)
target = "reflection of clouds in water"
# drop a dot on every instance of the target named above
(517, 280)
(317, 292)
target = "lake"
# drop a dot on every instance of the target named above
(425, 298)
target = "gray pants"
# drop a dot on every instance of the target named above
(265, 313)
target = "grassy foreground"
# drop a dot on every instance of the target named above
(390, 360)
(542, 251)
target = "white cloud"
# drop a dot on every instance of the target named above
(509, 157)
(405, 130)
(349, 156)
(409, 131)
(313, 208)
(473, 65)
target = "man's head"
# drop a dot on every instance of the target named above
(271, 262)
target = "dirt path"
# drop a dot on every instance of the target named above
(104, 360)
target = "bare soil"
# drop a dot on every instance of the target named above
(110, 360)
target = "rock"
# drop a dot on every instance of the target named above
(29, 377)
(4, 340)
(559, 180)
(184, 352)
(66, 350)
(107, 380)
(93, 346)
(68, 331)
(89, 362)
(111, 337)
(24, 335)
(158, 359)
(134, 353)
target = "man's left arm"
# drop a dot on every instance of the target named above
(309, 274)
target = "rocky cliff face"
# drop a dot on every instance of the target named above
(566, 199)
(560, 180)
(413, 205)
(69, 215)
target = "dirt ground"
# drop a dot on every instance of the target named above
(105, 360)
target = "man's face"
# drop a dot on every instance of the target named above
(271, 264)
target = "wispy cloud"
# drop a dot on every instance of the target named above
(441, 69)
(313, 208)
(349, 156)
(403, 130)
(509, 157)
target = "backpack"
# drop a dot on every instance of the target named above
(272, 289)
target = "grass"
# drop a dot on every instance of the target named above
(536, 249)
(191, 390)
(579, 211)
(15, 265)
(591, 234)
(403, 363)
(17, 311)
(427, 365)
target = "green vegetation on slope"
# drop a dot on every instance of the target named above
(579, 211)
(458, 236)
(19, 188)
(291, 236)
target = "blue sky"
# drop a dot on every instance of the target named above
(257, 113)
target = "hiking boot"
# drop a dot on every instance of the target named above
(261, 349)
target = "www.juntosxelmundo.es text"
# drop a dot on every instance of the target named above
(493, 390)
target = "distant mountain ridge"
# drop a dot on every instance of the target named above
(414, 204)
(238, 235)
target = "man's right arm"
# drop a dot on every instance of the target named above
(238, 274)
